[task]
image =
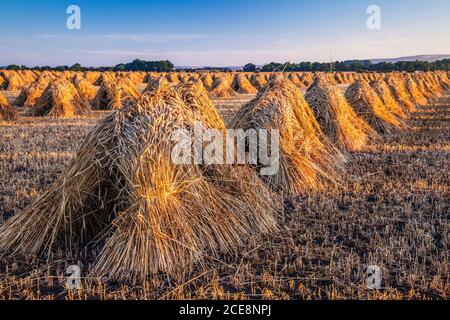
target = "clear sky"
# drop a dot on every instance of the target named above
(219, 33)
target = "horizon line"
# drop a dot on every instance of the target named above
(240, 66)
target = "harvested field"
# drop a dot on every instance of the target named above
(228, 106)
(225, 150)
(391, 210)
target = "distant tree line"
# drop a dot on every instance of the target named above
(142, 65)
(353, 65)
(135, 65)
(349, 65)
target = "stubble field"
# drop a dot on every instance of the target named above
(391, 209)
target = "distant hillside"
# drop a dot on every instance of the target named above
(428, 58)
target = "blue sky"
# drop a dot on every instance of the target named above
(219, 33)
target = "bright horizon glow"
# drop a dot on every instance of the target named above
(219, 33)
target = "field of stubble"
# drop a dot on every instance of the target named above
(391, 210)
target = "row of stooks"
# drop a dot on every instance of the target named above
(137, 214)
(67, 94)
(17, 80)
(218, 84)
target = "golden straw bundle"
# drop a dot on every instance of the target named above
(86, 90)
(124, 196)
(207, 81)
(384, 93)
(258, 81)
(158, 84)
(338, 120)
(221, 88)
(294, 78)
(308, 161)
(7, 112)
(411, 86)
(172, 78)
(113, 95)
(398, 89)
(369, 106)
(242, 85)
(60, 99)
(29, 95)
(14, 82)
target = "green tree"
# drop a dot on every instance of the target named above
(61, 68)
(250, 67)
(271, 67)
(120, 67)
(142, 65)
(13, 67)
(76, 67)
